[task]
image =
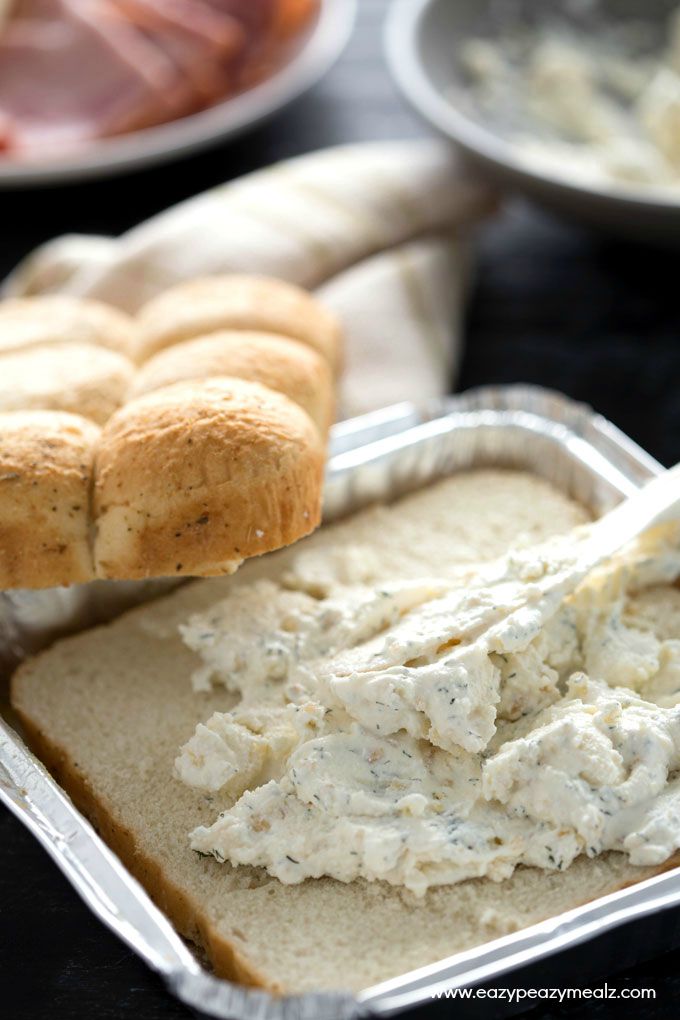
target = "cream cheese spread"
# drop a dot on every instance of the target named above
(430, 731)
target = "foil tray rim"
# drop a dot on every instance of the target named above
(360, 445)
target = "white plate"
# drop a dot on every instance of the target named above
(318, 52)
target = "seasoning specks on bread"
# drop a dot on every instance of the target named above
(241, 474)
(46, 468)
(214, 303)
(286, 366)
(55, 319)
(210, 452)
(77, 377)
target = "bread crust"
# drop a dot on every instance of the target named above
(46, 462)
(261, 303)
(75, 377)
(175, 903)
(246, 487)
(194, 478)
(40, 321)
(115, 703)
(286, 366)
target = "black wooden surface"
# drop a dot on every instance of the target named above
(552, 304)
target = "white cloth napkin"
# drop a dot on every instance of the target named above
(377, 228)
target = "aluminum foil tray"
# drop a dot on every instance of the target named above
(375, 457)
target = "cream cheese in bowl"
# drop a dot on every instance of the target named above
(575, 103)
(600, 108)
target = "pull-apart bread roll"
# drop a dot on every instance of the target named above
(77, 377)
(45, 479)
(286, 366)
(194, 478)
(211, 452)
(258, 303)
(39, 321)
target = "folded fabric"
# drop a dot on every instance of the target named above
(377, 228)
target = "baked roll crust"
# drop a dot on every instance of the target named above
(286, 366)
(75, 377)
(214, 303)
(210, 452)
(46, 460)
(194, 478)
(37, 321)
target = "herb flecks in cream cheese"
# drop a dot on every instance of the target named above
(431, 731)
(263, 634)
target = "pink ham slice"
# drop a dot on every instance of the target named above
(73, 70)
(203, 42)
(166, 83)
(256, 16)
(6, 141)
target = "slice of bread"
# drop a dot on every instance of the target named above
(108, 710)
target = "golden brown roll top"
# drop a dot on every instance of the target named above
(196, 477)
(76, 377)
(209, 453)
(39, 321)
(46, 466)
(239, 302)
(286, 366)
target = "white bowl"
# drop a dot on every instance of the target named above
(319, 50)
(422, 40)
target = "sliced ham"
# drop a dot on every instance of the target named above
(256, 16)
(170, 93)
(204, 43)
(259, 19)
(70, 77)
(75, 70)
(269, 25)
(6, 139)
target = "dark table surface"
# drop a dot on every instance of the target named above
(552, 304)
